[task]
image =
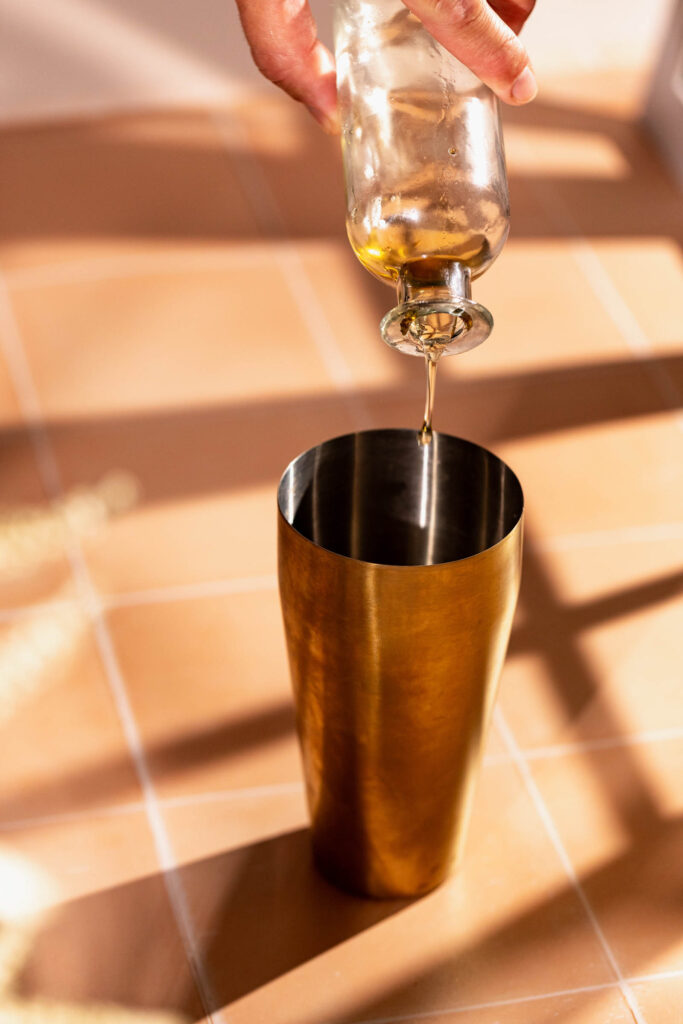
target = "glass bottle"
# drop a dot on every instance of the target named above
(426, 187)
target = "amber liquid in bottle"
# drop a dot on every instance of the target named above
(385, 253)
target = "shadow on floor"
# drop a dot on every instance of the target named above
(120, 940)
(257, 912)
(262, 910)
(104, 783)
(229, 447)
(548, 627)
(107, 179)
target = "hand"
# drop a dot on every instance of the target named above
(483, 35)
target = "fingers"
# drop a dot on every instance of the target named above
(284, 43)
(473, 32)
(285, 46)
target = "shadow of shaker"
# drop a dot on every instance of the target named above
(399, 568)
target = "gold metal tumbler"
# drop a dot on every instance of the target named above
(399, 568)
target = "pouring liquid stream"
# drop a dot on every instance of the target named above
(424, 435)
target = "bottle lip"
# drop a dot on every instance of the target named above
(401, 327)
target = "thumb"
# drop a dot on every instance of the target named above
(476, 36)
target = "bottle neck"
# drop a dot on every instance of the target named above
(435, 313)
(433, 280)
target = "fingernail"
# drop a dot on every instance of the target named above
(524, 87)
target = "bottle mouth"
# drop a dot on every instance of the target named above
(436, 327)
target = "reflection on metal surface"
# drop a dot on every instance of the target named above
(396, 633)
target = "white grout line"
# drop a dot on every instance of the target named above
(656, 976)
(27, 397)
(287, 788)
(323, 336)
(490, 1005)
(314, 316)
(608, 743)
(624, 319)
(70, 817)
(190, 591)
(242, 585)
(609, 296)
(268, 215)
(247, 584)
(554, 836)
(232, 795)
(26, 611)
(138, 807)
(321, 332)
(162, 841)
(619, 311)
(110, 268)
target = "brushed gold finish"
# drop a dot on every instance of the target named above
(394, 670)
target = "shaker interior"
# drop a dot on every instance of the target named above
(379, 496)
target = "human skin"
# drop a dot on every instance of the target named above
(284, 42)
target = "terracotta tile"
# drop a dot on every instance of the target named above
(601, 73)
(165, 398)
(176, 541)
(172, 340)
(660, 1001)
(603, 476)
(596, 208)
(206, 479)
(596, 649)
(209, 682)
(68, 880)
(546, 318)
(209, 685)
(494, 748)
(583, 1008)
(354, 302)
(611, 89)
(63, 747)
(338, 958)
(10, 414)
(525, 289)
(593, 448)
(537, 149)
(648, 274)
(72, 859)
(291, 171)
(618, 813)
(33, 566)
(122, 183)
(32, 563)
(558, 374)
(529, 221)
(206, 830)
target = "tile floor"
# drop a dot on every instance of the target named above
(180, 315)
